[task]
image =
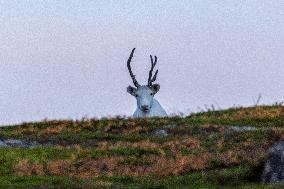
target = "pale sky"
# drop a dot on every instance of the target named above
(67, 59)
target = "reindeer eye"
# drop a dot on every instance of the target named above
(136, 95)
(151, 94)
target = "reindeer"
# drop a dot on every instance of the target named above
(147, 106)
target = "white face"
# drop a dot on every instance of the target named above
(144, 96)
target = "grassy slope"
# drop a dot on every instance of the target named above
(200, 152)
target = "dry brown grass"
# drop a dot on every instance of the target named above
(58, 167)
(26, 168)
(192, 143)
(228, 158)
(103, 145)
(146, 144)
(159, 165)
(259, 112)
(165, 166)
(124, 128)
(88, 167)
(109, 166)
(142, 144)
(212, 128)
(176, 145)
(65, 126)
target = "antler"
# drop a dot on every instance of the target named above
(153, 64)
(129, 69)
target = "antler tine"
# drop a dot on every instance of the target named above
(155, 76)
(135, 82)
(153, 64)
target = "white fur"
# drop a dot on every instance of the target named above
(155, 111)
(145, 97)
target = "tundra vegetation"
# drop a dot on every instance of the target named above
(201, 150)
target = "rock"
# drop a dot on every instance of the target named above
(242, 128)
(13, 142)
(161, 133)
(274, 166)
(32, 144)
(2, 144)
(19, 143)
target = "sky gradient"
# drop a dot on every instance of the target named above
(67, 59)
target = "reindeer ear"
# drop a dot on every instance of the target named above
(131, 90)
(155, 88)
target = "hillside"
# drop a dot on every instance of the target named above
(214, 149)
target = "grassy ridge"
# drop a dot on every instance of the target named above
(201, 151)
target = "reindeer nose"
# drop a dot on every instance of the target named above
(145, 108)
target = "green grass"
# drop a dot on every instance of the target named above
(10, 156)
(200, 151)
(43, 182)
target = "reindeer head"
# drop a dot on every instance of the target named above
(144, 93)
